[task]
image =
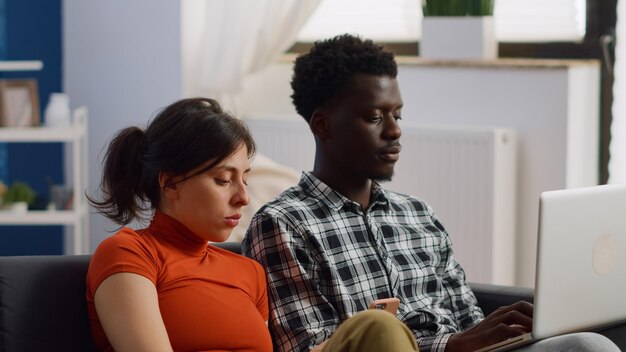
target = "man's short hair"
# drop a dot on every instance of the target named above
(329, 67)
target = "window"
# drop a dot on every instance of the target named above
(393, 21)
(383, 21)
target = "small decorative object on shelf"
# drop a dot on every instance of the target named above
(18, 196)
(458, 29)
(57, 113)
(19, 103)
(60, 197)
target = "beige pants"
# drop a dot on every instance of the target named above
(371, 330)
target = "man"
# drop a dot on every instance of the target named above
(338, 241)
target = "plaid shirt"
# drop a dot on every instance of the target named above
(326, 259)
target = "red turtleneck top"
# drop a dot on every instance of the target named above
(210, 299)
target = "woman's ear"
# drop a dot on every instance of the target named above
(167, 184)
(320, 124)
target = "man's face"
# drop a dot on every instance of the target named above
(364, 127)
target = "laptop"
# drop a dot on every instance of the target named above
(581, 263)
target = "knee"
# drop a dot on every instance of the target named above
(588, 341)
(376, 318)
(386, 328)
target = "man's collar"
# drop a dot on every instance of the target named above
(315, 188)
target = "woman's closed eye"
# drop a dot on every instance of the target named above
(222, 182)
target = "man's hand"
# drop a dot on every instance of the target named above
(505, 323)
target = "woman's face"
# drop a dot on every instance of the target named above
(210, 203)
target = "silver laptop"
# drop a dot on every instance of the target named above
(581, 263)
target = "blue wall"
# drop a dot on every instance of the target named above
(31, 30)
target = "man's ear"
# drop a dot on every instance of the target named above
(320, 124)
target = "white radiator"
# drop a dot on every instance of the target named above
(468, 176)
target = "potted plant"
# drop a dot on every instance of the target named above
(18, 196)
(458, 29)
(446, 8)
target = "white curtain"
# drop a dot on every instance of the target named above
(234, 38)
(617, 162)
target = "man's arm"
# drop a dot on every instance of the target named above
(300, 316)
(460, 302)
(446, 304)
(476, 332)
(504, 323)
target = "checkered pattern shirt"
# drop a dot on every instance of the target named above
(326, 259)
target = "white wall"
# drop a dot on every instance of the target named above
(122, 61)
(552, 106)
(538, 103)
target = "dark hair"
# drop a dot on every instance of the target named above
(330, 66)
(181, 137)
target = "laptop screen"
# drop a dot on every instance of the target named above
(581, 260)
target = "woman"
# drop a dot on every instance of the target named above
(164, 288)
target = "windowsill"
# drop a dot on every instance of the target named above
(501, 62)
(497, 63)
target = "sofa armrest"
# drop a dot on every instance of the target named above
(616, 333)
(491, 297)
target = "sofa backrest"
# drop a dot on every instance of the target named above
(42, 302)
(43, 307)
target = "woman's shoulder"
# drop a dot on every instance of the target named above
(226, 253)
(242, 271)
(125, 237)
(231, 258)
(127, 244)
(128, 251)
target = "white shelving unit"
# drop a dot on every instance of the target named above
(77, 218)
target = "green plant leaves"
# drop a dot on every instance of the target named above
(457, 7)
(19, 192)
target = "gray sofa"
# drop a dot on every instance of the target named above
(42, 303)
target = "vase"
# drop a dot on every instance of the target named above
(19, 207)
(57, 112)
(458, 38)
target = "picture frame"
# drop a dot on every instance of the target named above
(19, 103)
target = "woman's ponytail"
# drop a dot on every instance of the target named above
(123, 196)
